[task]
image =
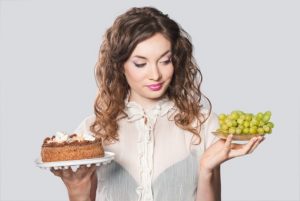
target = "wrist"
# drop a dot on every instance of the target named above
(79, 198)
(206, 170)
(79, 192)
(205, 174)
(79, 195)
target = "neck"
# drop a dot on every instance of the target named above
(145, 103)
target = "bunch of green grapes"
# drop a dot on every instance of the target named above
(238, 122)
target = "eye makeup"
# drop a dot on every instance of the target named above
(139, 65)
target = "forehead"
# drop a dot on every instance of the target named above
(152, 47)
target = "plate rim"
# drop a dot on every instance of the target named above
(240, 137)
(107, 157)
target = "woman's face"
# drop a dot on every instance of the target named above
(149, 70)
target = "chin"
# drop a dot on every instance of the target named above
(156, 94)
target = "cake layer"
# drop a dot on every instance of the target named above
(72, 152)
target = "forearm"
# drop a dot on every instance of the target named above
(209, 185)
(217, 182)
(79, 198)
(94, 187)
(81, 185)
(81, 192)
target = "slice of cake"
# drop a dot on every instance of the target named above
(63, 147)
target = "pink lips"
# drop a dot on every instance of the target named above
(155, 87)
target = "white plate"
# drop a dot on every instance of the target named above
(238, 137)
(74, 164)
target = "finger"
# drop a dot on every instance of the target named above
(67, 173)
(84, 171)
(226, 148)
(240, 146)
(57, 173)
(92, 169)
(243, 150)
(260, 139)
(235, 146)
(228, 141)
(248, 146)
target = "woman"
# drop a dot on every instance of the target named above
(149, 111)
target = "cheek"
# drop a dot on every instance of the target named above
(168, 72)
(134, 74)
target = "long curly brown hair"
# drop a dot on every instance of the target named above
(129, 29)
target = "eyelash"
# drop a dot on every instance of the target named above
(167, 61)
(163, 62)
(139, 65)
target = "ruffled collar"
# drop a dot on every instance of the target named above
(135, 111)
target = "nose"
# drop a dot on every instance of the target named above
(155, 73)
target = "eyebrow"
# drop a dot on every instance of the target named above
(141, 57)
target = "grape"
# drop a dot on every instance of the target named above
(231, 130)
(238, 130)
(246, 124)
(234, 123)
(222, 117)
(242, 116)
(224, 127)
(229, 123)
(259, 116)
(260, 130)
(249, 117)
(234, 115)
(266, 128)
(268, 113)
(253, 122)
(270, 124)
(253, 130)
(266, 118)
(239, 122)
(246, 130)
(221, 121)
(261, 123)
(241, 126)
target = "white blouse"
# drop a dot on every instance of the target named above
(155, 160)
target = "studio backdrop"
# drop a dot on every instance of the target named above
(248, 53)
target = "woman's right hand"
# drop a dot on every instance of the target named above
(80, 184)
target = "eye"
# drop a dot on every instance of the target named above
(166, 62)
(140, 65)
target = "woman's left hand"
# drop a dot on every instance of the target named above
(223, 150)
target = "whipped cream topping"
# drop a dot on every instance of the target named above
(84, 136)
(61, 137)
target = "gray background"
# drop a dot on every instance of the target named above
(248, 52)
